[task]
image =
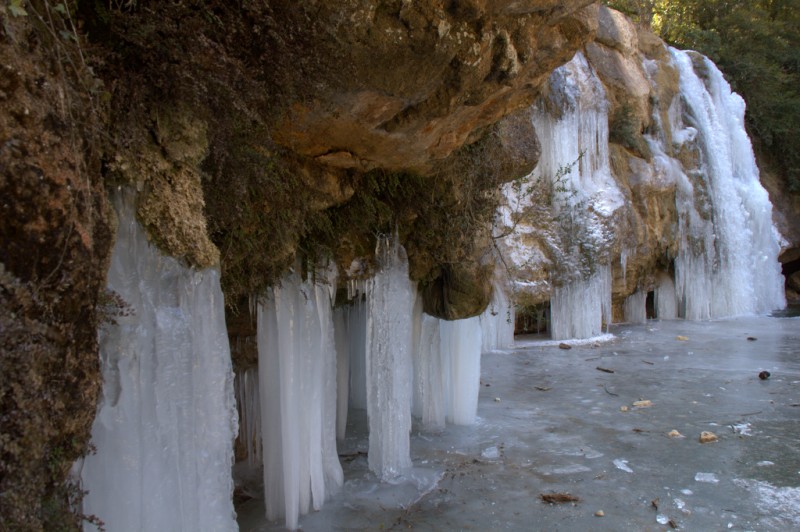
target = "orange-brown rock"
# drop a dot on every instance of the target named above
(407, 83)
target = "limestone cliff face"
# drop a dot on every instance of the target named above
(632, 194)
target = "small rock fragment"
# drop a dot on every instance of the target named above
(675, 434)
(682, 338)
(600, 513)
(708, 437)
(764, 375)
(623, 408)
(496, 399)
(562, 345)
(558, 498)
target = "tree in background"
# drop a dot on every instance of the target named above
(756, 43)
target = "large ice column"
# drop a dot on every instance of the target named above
(461, 348)
(447, 371)
(297, 374)
(666, 301)
(431, 375)
(389, 364)
(579, 309)
(635, 307)
(727, 263)
(167, 419)
(497, 321)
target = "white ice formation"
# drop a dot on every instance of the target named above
(572, 208)
(497, 321)
(390, 297)
(727, 264)
(297, 384)
(166, 420)
(447, 371)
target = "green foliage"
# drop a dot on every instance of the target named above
(624, 129)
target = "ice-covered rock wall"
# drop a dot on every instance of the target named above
(297, 384)
(680, 212)
(167, 419)
(567, 205)
(390, 297)
(727, 262)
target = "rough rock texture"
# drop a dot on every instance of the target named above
(421, 76)
(293, 103)
(56, 241)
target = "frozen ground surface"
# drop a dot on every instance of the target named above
(550, 422)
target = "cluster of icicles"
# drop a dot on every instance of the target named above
(167, 420)
(378, 352)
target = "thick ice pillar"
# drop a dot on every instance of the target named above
(636, 307)
(461, 345)
(579, 309)
(389, 368)
(497, 321)
(297, 381)
(665, 298)
(167, 418)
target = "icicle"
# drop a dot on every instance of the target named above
(497, 321)
(636, 307)
(461, 348)
(167, 417)
(249, 413)
(297, 372)
(665, 299)
(579, 309)
(389, 366)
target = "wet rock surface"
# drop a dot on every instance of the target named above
(575, 440)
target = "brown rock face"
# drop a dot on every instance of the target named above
(55, 244)
(411, 81)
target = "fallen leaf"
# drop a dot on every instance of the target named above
(623, 408)
(682, 338)
(558, 498)
(751, 338)
(708, 437)
(543, 388)
(600, 513)
(562, 345)
(764, 375)
(675, 434)
(646, 403)
(654, 503)
(606, 370)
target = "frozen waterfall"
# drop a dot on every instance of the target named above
(167, 419)
(727, 263)
(297, 384)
